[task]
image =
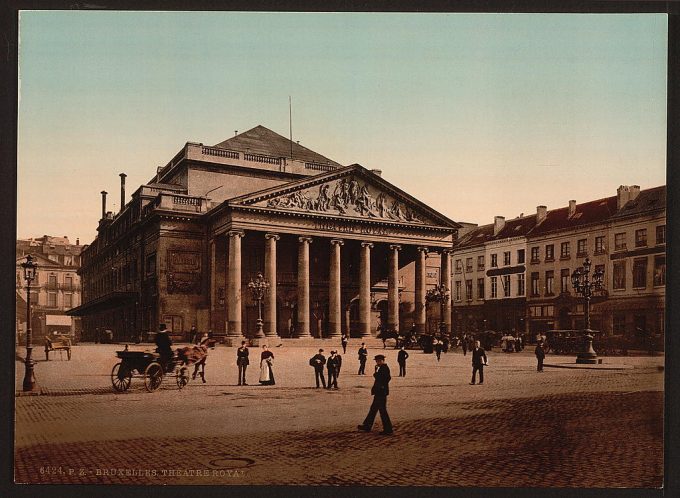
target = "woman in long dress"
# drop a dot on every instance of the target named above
(266, 372)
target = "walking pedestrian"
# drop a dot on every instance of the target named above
(194, 336)
(540, 356)
(332, 366)
(344, 340)
(380, 391)
(266, 372)
(363, 356)
(437, 344)
(318, 361)
(402, 356)
(464, 345)
(242, 362)
(478, 354)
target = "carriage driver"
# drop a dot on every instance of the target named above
(164, 346)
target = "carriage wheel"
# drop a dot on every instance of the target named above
(153, 376)
(182, 377)
(120, 377)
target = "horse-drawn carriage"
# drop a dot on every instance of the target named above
(152, 367)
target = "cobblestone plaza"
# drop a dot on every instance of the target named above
(565, 427)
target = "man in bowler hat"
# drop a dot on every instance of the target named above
(318, 361)
(401, 359)
(380, 391)
(333, 366)
(242, 361)
(540, 356)
(478, 362)
(363, 356)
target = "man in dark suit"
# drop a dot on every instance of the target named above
(380, 391)
(478, 362)
(333, 367)
(363, 356)
(242, 361)
(401, 359)
(540, 356)
(164, 346)
(318, 361)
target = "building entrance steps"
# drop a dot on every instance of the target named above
(334, 343)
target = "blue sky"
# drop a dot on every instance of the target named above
(475, 114)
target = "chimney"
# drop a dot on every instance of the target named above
(634, 192)
(498, 224)
(122, 191)
(77, 241)
(377, 172)
(572, 208)
(104, 192)
(541, 213)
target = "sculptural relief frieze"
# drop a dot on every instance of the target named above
(347, 197)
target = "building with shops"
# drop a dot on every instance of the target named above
(342, 248)
(56, 288)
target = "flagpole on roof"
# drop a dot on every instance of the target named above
(290, 124)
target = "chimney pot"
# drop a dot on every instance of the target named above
(104, 192)
(122, 191)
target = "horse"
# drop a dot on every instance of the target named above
(195, 355)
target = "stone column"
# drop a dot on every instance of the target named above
(302, 329)
(334, 292)
(393, 289)
(270, 276)
(365, 289)
(234, 286)
(445, 279)
(421, 284)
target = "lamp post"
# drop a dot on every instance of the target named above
(258, 289)
(584, 286)
(438, 294)
(29, 274)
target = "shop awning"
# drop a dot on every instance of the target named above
(107, 302)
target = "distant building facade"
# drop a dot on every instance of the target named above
(342, 249)
(624, 235)
(56, 288)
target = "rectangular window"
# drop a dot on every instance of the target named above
(564, 250)
(620, 241)
(520, 284)
(520, 256)
(549, 310)
(534, 284)
(661, 234)
(68, 300)
(535, 256)
(640, 273)
(659, 270)
(600, 268)
(619, 325)
(458, 286)
(582, 248)
(468, 264)
(549, 282)
(151, 264)
(480, 262)
(52, 282)
(480, 288)
(68, 282)
(550, 252)
(599, 244)
(506, 258)
(494, 260)
(468, 290)
(641, 237)
(619, 278)
(52, 299)
(506, 285)
(459, 265)
(494, 287)
(564, 280)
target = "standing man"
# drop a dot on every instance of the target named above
(464, 344)
(477, 364)
(318, 361)
(363, 356)
(540, 356)
(380, 391)
(333, 368)
(344, 341)
(401, 359)
(438, 348)
(194, 338)
(242, 361)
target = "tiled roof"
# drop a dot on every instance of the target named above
(587, 213)
(517, 227)
(261, 140)
(649, 200)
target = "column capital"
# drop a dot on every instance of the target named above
(367, 244)
(448, 250)
(339, 242)
(236, 233)
(305, 239)
(395, 247)
(423, 249)
(272, 236)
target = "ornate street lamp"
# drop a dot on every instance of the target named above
(29, 274)
(259, 289)
(584, 286)
(438, 294)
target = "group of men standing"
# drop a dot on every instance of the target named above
(333, 365)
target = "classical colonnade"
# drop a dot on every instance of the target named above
(234, 287)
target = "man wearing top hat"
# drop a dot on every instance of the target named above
(380, 391)
(163, 345)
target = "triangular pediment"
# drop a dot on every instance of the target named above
(351, 192)
(40, 260)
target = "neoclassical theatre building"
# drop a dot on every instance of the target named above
(341, 248)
